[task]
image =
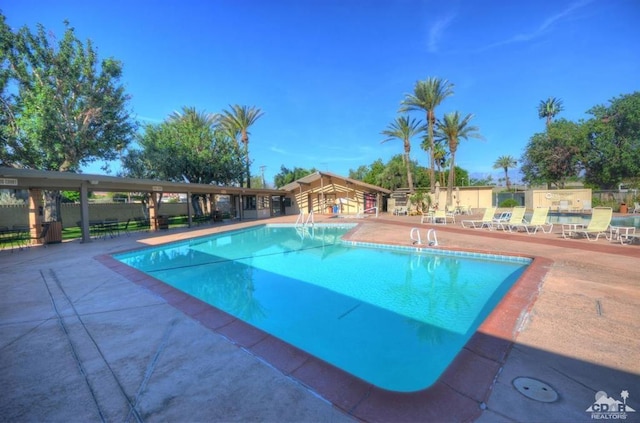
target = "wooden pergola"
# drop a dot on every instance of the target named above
(35, 181)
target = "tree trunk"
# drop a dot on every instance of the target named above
(432, 160)
(52, 201)
(195, 203)
(409, 176)
(452, 178)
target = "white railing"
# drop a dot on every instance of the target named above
(310, 218)
(372, 208)
(432, 238)
(300, 221)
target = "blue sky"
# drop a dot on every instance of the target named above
(330, 74)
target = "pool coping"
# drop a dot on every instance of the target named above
(459, 394)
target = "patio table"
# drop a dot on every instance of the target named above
(569, 230)
(621, 233)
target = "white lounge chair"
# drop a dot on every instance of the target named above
(517, 216)
(598, 225)
(636, 208)
(427, 217)
(485, 221)
(538, 221)
(441, 216)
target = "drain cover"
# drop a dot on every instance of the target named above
(535, 389)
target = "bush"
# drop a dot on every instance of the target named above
(8, 199)
(509, 202)
(597, 202)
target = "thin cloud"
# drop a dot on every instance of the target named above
(279, 151)
(316, 158)
(436, 31)
(545, 26)
(149, 119)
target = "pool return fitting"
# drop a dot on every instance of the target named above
(432, 239)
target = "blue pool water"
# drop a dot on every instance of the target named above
(585, 218)
(395, 317)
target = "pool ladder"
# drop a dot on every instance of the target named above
(300, 221)
(432, 238)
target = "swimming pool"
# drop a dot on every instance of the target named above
(395, 317)
(629, 220)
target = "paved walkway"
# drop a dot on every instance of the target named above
(80, 342)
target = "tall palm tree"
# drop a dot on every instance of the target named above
(427, 95)
(237, 121)
(451, 129)
(548, 109)
(404, 129)
(505, 162)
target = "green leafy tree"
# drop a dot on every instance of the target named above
(554, 157)
(68, 110)
(238, 120)
(505, 163)
(186, 147)
(452, 128)
(549, 108)
(404, 129)
(427, 95)
(8, 104)
(286, 175)
(393, 175)
(368, 174)
(612, 154)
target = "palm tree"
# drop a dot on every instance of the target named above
(451, 129)
(427, 95)
(505, 162)
(237, 121)
(440, 158)
(190, 114)
(404, 129)
(549, 109)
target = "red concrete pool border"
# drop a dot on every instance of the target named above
(458, 395)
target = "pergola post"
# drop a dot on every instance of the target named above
(189, 211)
(84, 212)
(35, 213)
(153, 212)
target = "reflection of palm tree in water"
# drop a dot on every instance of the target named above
(410, 295)
(434, 298)
(231, 289)
(456, 298)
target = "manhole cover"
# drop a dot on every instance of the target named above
(535, 389)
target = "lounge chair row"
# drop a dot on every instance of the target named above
(513, 220)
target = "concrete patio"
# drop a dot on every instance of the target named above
(80, 341)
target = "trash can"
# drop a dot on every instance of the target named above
(54, 234)
(163, 222)
(623, 208)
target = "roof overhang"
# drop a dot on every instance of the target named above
(12, 178)
(316, 176)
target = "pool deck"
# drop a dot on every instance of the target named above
(84, 338)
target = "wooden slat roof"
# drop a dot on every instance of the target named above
(12, 178)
